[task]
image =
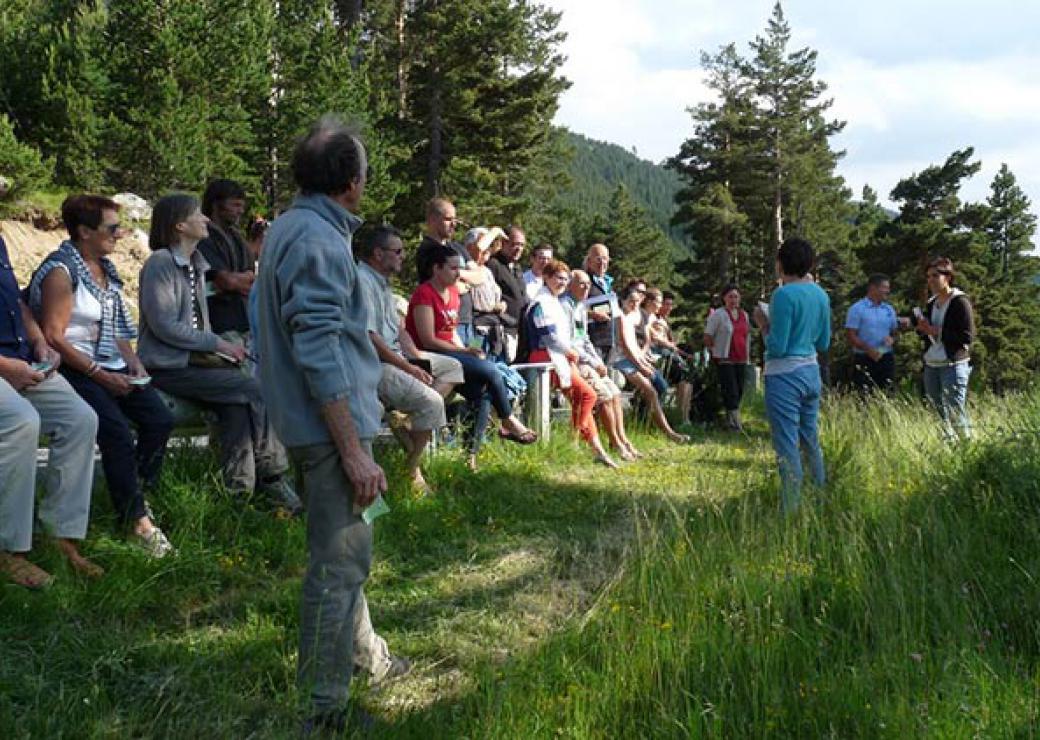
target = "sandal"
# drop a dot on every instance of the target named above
(527, 438)
(21, 571)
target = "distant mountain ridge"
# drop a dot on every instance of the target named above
(598, 167)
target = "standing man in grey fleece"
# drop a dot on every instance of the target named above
(321, 374)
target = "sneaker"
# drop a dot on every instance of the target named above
(154, 544)
(282, 496)
(399, 667)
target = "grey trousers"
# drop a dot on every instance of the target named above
(335, 627)
(249, 448)
(54, 408)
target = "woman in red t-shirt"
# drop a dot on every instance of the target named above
(433, 313)
(726, 335)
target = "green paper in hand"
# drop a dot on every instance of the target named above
(376, 510)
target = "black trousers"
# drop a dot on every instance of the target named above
(874, 374)
(128, 466)
(731, 383)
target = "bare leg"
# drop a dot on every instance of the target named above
(444, 389)
(79, 563)
(650, 396)
(418, 439)
(619, 415)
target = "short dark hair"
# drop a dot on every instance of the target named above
(631, 290)
(877, 278)
(169, 211)
(84, 210)
(219, 190)
(544, 247)
(796, 256)
(668, 296)
(329, 158)
(377, 237)
(654, 294)
(943, 265)
(728, 288)
(440, 255)
(437, 205)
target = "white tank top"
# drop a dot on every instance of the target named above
(85, 326)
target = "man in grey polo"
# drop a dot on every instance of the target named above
(417, 387)
(314, 349)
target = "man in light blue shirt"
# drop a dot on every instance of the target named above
(870, 327)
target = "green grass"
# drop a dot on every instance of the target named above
(547, 597)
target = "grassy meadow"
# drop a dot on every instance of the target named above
(549, 597)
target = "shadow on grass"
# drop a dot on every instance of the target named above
(203, 644)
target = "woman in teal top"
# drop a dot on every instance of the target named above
(797, 327)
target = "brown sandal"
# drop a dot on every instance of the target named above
(21, 571)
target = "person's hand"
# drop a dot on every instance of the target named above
(571, 355)
(20, 375)
(904, 322)
(500, 307)
(116, 384)
(46, 353)
(760, 318)
(234, 350)
(874, 354)
(602, 370)
(476, 352)
(421, 375)
(889, 341)
(365, 476)
(925, 327)
(598, 315)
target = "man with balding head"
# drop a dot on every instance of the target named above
(602, 302)
(440, 228)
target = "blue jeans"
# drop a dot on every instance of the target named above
(947, 389)
(483, 388)
(793, 408)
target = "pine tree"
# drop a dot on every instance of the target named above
(21, 165)
(797, 163)
(638, 247)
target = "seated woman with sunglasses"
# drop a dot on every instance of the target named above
(433, 313)
(186, 359)
(77, 298)
(549, 334)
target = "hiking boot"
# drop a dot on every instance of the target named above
(399, 667)
(282, 496)
(154, 544)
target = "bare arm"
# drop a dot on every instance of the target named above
(226, 281)
(390, 357)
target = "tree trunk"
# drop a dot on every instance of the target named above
(433, 165)
(402, 70)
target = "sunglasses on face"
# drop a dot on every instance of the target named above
(112, 229)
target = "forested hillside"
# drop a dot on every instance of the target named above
(598, 167)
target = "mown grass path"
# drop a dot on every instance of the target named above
(546, 596)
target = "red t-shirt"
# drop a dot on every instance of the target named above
(445, 313)
(738, 349)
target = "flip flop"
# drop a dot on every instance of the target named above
(527, 438)
(24, 573)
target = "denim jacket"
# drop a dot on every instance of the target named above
(311, 336)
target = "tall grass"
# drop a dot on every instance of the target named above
(902, 602)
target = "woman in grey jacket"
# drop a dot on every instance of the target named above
(186, 359)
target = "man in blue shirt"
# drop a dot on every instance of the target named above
(320, 375)
(870, 327)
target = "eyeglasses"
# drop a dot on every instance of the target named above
(112, 229)
(398, 250)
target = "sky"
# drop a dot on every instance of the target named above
(914, 79)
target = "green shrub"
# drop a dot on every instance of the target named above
(21, 165)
